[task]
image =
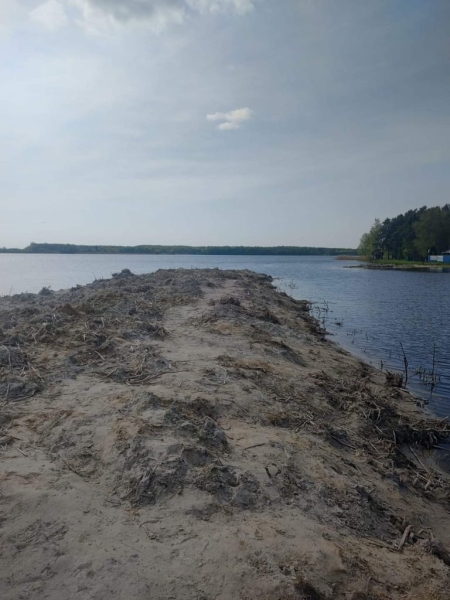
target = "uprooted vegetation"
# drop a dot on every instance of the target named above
(162, 412)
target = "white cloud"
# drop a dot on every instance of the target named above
(231, 120)
(239, 6)
(227, 126)
(50, 14)
(97, 15)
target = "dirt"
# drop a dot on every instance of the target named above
(192, 434)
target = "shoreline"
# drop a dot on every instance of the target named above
(404, 267)
(202, 419)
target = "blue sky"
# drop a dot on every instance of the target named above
(220, 121)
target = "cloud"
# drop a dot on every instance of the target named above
(231, 120)
(239, 6)
(50, 14)
(97, 15)
(227, 126)
(121, 11)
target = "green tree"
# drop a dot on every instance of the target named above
(370, 244)
(396, 238)
(364, 245)
(433, 231)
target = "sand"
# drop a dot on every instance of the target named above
(192, 434)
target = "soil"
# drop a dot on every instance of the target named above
(192, 434)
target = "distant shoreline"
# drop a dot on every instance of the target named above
(34, 248)
(403, 267)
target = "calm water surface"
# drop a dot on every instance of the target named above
(368, 312)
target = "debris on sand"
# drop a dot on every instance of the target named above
(193, 434)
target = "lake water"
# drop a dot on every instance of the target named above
(369, 312)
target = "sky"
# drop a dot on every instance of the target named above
(220, 122)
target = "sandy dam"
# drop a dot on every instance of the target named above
(193, 435)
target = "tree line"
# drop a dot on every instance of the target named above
(35, 248)
(410, 236)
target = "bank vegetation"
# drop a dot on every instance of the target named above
(411, 236)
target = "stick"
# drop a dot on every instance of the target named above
(380, 544)
(69, 466)
(255, 446)
(405, 536)
(405, 362)
(31, 367)
(423, 466)
(341, 442)
(110, 373)
(241, 407)
(150, 377)
(24, 397)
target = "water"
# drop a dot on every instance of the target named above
(368, 312)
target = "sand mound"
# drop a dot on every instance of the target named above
(193, 435)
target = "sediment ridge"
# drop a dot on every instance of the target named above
(192, 434)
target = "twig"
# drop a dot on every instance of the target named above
(380, 544)
(405, 362)
(255, 446)
(69, 466)
(150, 377)
(341, 442)
(423, 466)
(241, 407)
(110, 373)
(146, 522)
(31, 367)
(25, 397)
(405, 536)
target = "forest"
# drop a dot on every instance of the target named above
(35, 248)
(410, 236)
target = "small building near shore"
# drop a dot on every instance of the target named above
(440, 258)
